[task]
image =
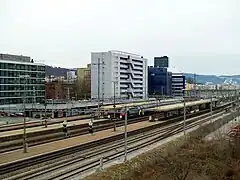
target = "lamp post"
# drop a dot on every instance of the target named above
(25, 77)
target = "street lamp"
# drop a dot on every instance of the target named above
(24, 112)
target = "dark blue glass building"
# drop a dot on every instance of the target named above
(159, 81)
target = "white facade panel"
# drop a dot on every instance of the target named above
(128, 72)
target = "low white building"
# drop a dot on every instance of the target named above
(126, 72)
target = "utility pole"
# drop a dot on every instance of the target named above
(52, 109)
(68, 97)
(114, 105)
(34, 99)
(98, 88)
(24, 119)
(238, 96)
(125, 135)
(98, 85)
(102, 81)
(45, 111)
(24, 113)
(184, 116)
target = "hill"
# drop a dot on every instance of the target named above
(57, 71)
(232, 79)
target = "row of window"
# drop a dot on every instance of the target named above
(22, 94)
(16, 74)
(21, 67)
(21, 87)
(21, 81)
(20, 100)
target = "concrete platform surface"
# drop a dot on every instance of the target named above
(42, 128)
(19, 120)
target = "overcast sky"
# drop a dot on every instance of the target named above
(201, 36)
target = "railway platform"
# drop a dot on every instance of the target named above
(43, 128)
(69, 142)
(19, 120)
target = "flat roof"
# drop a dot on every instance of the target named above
(181, 105)
(21, 62)
(119, 106)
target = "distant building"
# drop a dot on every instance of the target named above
(178, 84)
(161, 62)
(189, 86)
(62, 90)
(84, 82)
(159, 82)
(127, 71)
(13, 84)
(71, 76)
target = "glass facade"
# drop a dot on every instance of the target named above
(13, 84)
(161, 62)
(159, 81)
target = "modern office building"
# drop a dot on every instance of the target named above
(178, 84)
(159, 82)
(161, 62)
(20, 77)
(126, 72)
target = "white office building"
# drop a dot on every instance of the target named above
(126, 72)
(178, 82)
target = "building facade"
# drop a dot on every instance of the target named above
(61, 90)
(178, 84)
(159, 82)
(20, 77)
(84, 82)
(71, 76)
(126, 72)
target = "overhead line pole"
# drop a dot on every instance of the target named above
(98, 87)
(114, 102)
(125, 135)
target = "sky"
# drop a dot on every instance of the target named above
(200, 36)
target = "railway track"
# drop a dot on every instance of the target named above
(83, 155)
(33, 139)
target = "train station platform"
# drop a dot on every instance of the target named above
(69, 142)
(49, 127)
(16, 155)
(15, 121)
